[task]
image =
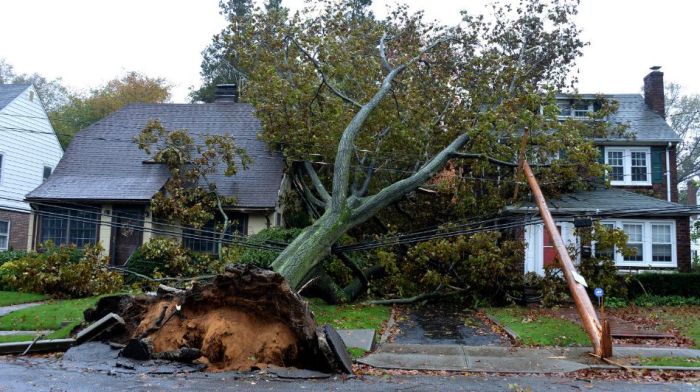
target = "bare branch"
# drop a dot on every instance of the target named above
(382, 52)
(318, 67)
(318, 185)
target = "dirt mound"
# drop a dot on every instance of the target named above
(228, 338)
(246, 318)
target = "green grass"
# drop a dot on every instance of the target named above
(356, 352)
(16, 338)
(685, 319)
(670, 361)
(539, 330)
(13, 298)
(350, 316)
(54, 315)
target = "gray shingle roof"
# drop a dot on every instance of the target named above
(644, 123)
(102, 163)
(610, 202)
(8, 92)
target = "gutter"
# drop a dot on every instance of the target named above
(668, 172)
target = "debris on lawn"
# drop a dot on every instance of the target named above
(247, 318)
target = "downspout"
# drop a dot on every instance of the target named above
(668, 172)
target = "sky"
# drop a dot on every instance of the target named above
(88, 42)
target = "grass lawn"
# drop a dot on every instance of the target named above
(17, 338)
(685, 319)
(58, 316)
(13, 298)
(534, 329)
(670, 361)
(350, 316)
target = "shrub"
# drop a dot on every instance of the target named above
(10, 255)
(62, 271)
(167, 257)
(260, 257)
(669, 284)
(672, 300)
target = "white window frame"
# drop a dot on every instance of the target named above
(7, 246)
(627, 164)
(647, 243)
(573, 112)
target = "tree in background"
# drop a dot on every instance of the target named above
(81, 110)
(683, 114)
(51, 91)
(370, 110)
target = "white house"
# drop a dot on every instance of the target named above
(29, 151)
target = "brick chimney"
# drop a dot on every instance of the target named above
(654, 91)
(226, 93)
(692, 194)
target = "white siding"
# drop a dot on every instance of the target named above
(27, 144)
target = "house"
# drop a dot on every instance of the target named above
(642, 198)
(102, 188)
(29, 152)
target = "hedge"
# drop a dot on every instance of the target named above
(681, 284)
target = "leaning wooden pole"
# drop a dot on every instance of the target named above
(601, 341)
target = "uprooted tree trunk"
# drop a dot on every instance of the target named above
(345, 207)
(246, 318)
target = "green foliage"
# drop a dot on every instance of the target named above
(189, 197)
(167, 257)
(260, 257)
(484, 264)
(62, 272)
(665, 284)
(10, 255)
(554, 288)
(670, 300)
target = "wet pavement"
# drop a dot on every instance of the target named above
(48, 374)
(444, 324)
(4, 310)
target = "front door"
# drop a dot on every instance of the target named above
(549, 252)
(127, 233)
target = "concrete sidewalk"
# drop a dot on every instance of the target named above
(502, 359)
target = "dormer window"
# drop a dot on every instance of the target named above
(578, 110)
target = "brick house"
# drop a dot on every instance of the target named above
(29, 151)
(642, 198)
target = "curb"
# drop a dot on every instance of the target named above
(513, 336)
(387, 329)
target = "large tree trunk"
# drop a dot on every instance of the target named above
(300, 257)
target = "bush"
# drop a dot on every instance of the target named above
(260, 257)
(672, 300)
(62, 271)
(10, 255)
(167, 257)
(660, 284)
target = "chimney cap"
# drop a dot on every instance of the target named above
(226, 93)
(655, 68)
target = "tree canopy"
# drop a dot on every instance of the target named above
(51, 91)
(683, 114)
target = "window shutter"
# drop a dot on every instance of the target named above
(601, 155)
(657, 170)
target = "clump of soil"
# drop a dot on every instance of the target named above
(229, 338)
(244, 319)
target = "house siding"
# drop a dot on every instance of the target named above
(27, 143)
(19, 228)
(683, 244)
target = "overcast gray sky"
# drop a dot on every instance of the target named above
(88, 42)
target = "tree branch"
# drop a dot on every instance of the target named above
(316, 181)
(317, 65)
(382, 52)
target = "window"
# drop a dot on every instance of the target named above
(655, 242)
(4, 234)
(47, 172)
(206, 239)
(635, 240)
(661, 246)
(628, 166)
(578, 110)
(1, 156)
(68, 226)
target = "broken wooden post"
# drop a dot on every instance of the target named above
(602, 345)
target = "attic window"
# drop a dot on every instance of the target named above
(577, 110)
(31, 96)
(47, 172)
